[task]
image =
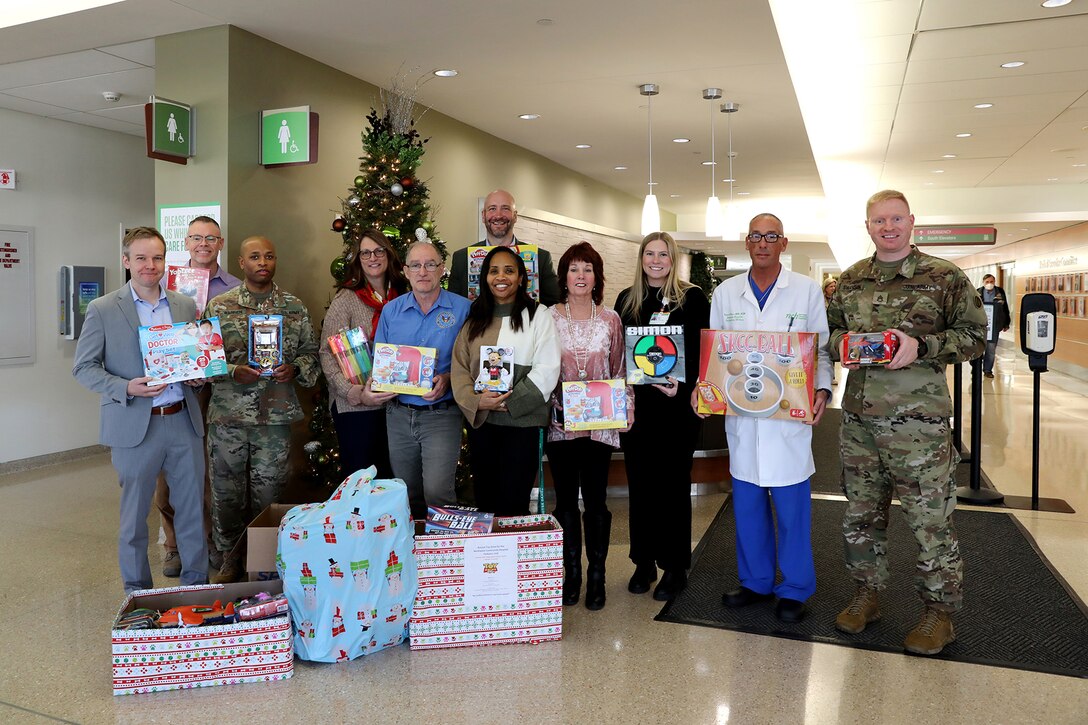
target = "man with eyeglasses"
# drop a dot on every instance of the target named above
(895, 439)
(204, 241)
(770, 461)
(424, 431)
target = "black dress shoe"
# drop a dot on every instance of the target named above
(790, 610)
(743, 596)
(672, 581)
(645, 574)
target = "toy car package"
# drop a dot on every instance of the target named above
(869, 348)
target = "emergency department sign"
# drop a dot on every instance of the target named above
(288, 137)
(169, 129)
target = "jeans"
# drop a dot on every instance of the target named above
(423, 449)
(988, 357)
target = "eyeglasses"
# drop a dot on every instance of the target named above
(755, 237)
(368, 253)
(210, 239)
(429, 266)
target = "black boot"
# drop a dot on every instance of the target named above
(598, 529)
(572, 555)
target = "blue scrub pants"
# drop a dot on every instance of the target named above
(757, 553)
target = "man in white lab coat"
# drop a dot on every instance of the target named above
(771, 460)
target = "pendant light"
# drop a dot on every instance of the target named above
(713, 205)
(730, 107)
(651, 216)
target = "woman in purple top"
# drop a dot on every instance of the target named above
(592, 343)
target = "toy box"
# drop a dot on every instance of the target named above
(403, 368)
(154, 660)
(457, 520)
(496, 373)
(477, 275)
(183, 351)
(505, 587)
(594, 404)
(266, 342)
(262, 535)
(191, 282)
(654, 352)
(757, 374)
(869, 348)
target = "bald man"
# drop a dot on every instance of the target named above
(252, 409)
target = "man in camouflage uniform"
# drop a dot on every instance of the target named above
(250, 414)
(895, 436)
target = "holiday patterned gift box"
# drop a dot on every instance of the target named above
(505, 587)
(154, 660)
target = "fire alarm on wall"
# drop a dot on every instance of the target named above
(7, 178)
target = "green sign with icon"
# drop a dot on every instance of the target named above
(171, 129)
(288, 136)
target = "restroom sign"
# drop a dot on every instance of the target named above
(169, 130)
(288, 137)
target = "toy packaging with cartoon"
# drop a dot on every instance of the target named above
(352, 353)
(348, 569)
(457, 520)
(757, 374)
(496, 369)
(266, 342)
(594, 404)
(869, 348)
(654, 352)
(191, 282)
(403, 368)
(183, 351)
(477, 254)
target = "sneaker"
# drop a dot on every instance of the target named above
(171, 565)
(231, 571)
(861, 610)
(931, 634)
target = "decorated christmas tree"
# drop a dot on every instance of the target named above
(387, 195)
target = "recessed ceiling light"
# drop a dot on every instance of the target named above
(582, 146)
(674, 196)
(743, 193)
(681, 140)
(1053, 178)
(963, 135)
(1054, 3)
(445, 72)
(709, 163)
(545, 21)
(984, 105)
(938, 171)
(619, 168)
(1023, 229)
(1013, 64)
(928, 183)
(653, 183)
(728, 181)
(1075, 166)
(948, 156)
(529, 116)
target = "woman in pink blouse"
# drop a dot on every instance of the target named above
(591, 338)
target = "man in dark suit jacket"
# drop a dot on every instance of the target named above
(499, 215)
(995, 297)
(148, 429)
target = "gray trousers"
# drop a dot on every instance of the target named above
(423, 449)
(170, 446)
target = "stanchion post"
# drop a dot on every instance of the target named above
(975, 493)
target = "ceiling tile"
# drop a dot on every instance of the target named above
(60, 67)
(85, 94)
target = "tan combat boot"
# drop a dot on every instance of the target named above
(231, 571)
(861, 610)
(931, 634)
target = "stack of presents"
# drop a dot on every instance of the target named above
(333, 581)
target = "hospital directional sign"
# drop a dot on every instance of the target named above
(169, 130)
(933, 235)
(288, 137)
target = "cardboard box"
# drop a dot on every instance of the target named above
(457, 606)
(262, 535)
(154, 660)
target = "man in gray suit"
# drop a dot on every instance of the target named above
(148, 429)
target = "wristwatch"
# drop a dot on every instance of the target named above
(923, 348)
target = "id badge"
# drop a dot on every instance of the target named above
(659, 318)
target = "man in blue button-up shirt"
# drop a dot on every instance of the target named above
(424, 431)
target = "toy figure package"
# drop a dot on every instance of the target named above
(352, 354)
(457, 520)
(349, 570)
(757, 374)
(403, 368)
(653, 353)
(496, 369)
(183, 351)
(477, 254)
(266, 342)
(594, 404)
(869, 348)
(191, 282)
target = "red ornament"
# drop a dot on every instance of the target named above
(338, 224)
(406, 182)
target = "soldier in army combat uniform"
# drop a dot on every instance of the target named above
(895, 437)
(250, 414)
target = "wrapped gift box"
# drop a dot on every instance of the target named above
(505, 587)
(154, 660)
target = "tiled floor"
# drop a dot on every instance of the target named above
(61, 589)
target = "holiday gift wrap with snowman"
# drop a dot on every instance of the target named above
(348, 569)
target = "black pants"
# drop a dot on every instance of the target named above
(363, 441)
(580, 463)
(503, 461)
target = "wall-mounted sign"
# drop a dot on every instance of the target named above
(288, 137)
(7, 178)
(169, 128)
(954, 235)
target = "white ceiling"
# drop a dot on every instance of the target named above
(923, 63)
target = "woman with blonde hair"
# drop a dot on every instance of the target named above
(657, 450)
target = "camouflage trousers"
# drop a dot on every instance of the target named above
(248, 467)
(912, 459)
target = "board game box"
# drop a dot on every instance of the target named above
(653, 353)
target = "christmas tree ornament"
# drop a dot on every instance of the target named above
(354, 200)
(428, 225)
(421, 235)
(337, 268)
(391, 232)
(406, 182)
(396, 189)
(338, 224)
(360, 181)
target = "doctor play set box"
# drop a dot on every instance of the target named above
(154, 660)
(403, 369)
(505, 587)
(757, 374)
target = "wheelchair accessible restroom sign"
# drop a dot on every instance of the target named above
(169, 130)
(288, 137)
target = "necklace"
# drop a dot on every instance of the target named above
(581, 354)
